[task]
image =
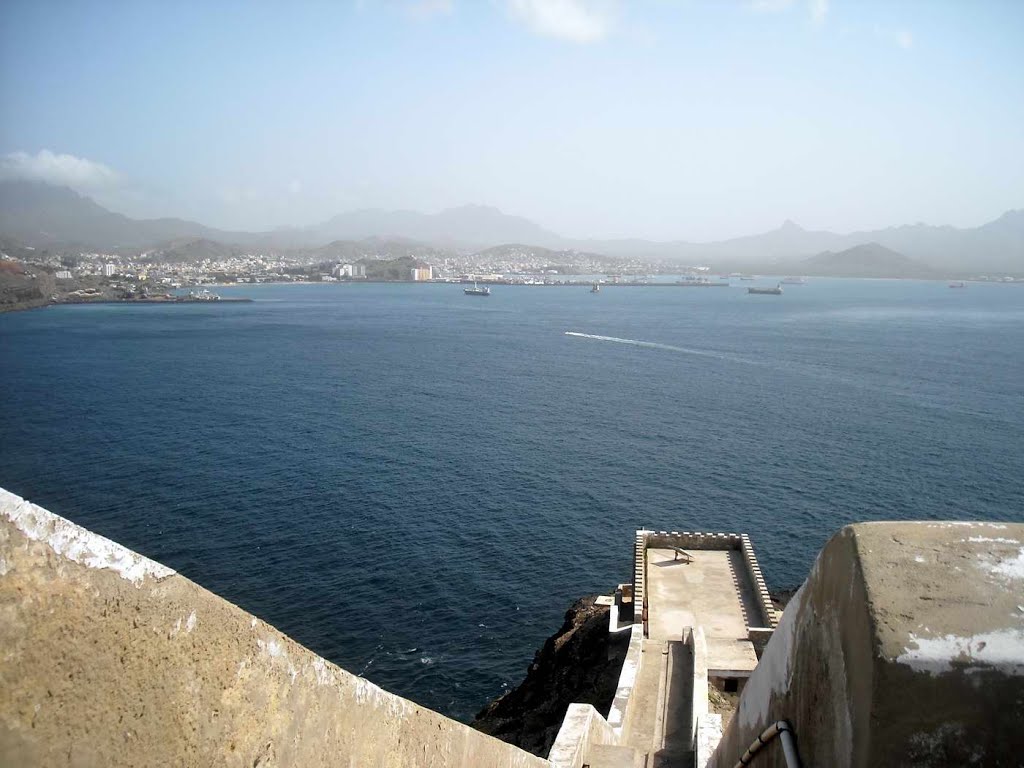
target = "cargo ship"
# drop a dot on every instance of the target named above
(776, 291)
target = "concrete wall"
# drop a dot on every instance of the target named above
(108, 659)
(699, 686)
(619, 710)
(905, 646)
(582, 729)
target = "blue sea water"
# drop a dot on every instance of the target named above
(416, 483)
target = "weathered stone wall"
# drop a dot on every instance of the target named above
(108, 659)
(905, 646)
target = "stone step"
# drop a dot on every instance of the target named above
(606, 756)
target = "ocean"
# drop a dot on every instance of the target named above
(416, 483)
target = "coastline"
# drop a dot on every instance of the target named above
(44, 304)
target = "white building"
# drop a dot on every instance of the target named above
(109, 270)
(63, 275)
(350, 270)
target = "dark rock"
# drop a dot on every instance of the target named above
(580, 663)
(781, 597)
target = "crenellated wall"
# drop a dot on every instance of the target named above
(764, 600)
(697, 540)
(110, 659)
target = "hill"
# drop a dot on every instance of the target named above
(41, 214)
(868, 260)
(22, 287)
(995, 246)
(534, 252)
(376, 248)
(192, 250)
(467, 226)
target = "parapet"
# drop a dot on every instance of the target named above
(110, 659)
(905, 646)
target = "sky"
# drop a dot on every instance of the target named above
(658, 119)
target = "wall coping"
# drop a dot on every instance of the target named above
(582, 728)
(627, 681)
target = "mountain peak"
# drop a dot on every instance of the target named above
(790, 226)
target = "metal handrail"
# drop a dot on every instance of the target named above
(786, 735)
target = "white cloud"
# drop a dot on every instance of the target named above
(578, 21)
(65, 170)
(819, 9)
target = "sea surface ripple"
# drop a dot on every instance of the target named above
(416, 483)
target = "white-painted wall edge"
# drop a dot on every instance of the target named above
(76, 543)
(627, 681)
(582, 728)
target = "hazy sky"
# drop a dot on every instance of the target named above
(657, 119)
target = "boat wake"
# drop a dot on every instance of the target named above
(667, 347)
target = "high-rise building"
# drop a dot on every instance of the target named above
(109, 270)
(422, 273)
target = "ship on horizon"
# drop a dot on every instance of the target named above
(776, 291)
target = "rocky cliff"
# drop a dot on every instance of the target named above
(579, 663)
(23, 288)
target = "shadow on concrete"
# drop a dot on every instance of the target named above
(676, 735)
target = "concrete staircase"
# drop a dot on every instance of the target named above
(605, 756)
(659, 727)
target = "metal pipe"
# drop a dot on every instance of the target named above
(784, 731)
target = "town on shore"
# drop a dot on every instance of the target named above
(46, 277)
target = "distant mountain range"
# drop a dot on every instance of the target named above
(474, 225)
(40, 215)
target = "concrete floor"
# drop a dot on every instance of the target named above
(712, 591)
